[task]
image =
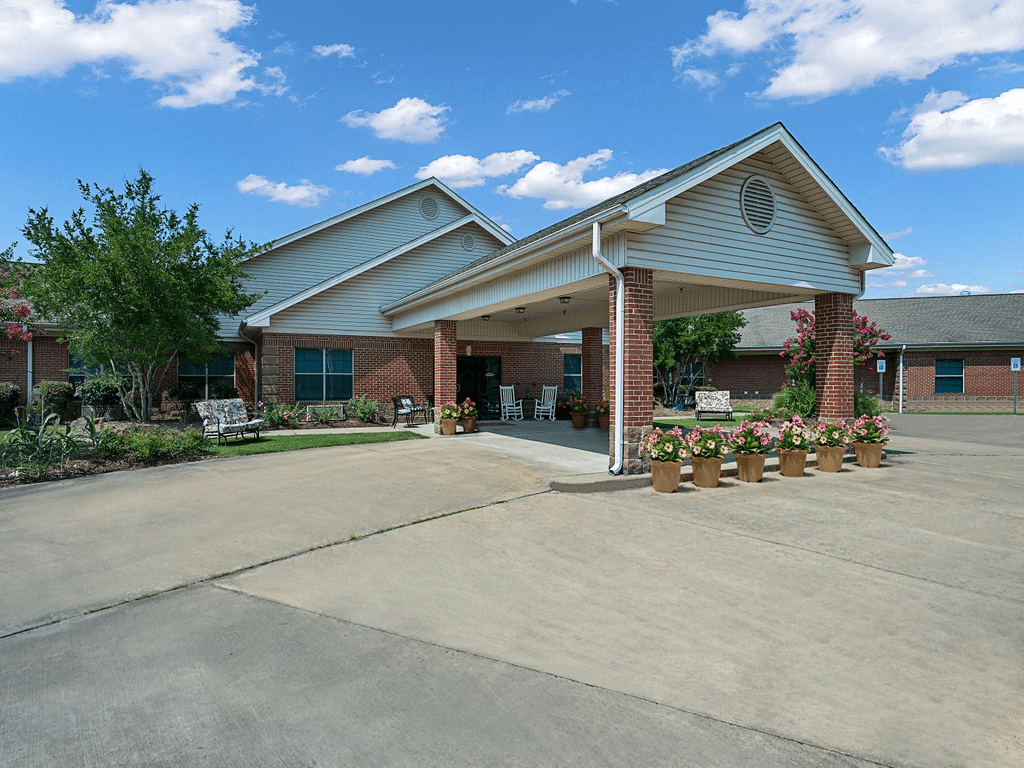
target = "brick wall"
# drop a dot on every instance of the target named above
(833, 348)
(638, 379)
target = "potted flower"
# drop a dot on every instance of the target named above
(603, 409)
(751, 443)
(793, 445)
(830, 444)
(869, 435)
(577, 406)
(468, 413)
(708, 447)
(667, 452)
(449, 417)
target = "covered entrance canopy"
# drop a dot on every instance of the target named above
(752, 224)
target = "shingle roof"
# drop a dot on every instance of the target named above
(981, 320)
(606, 205)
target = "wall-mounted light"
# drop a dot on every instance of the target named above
(520, 310)
(485, 317)
(564, 299)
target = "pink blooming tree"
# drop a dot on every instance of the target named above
(800, 348)
(14, 310)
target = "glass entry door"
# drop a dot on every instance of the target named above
(478, 378)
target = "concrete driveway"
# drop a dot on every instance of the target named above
(875, 617)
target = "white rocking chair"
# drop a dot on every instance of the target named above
(510, 407)
(546, 405)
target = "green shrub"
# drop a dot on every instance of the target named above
(281, 414)
(36, 444)
(771, 414)
(148, 444)
(364, 408)
(100, 390)
(799, 399)
(59, 398)
(9, 394)
(865, 405)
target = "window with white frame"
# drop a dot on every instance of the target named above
(323, 374)
(572, 373)
(949, 377)
(213, 380)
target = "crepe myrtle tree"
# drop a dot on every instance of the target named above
(800, 348)
(135, 285)
(683, 344)
(15, 312)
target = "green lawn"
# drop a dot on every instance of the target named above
(668, 423)
(275, 443)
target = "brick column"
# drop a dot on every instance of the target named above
(445, 354)
(638, 378)
(593, 366)
(833, 355)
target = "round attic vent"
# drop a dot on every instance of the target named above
(429, 208)
(757, 202)
(468, 242)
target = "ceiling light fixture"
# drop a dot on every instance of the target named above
(520, 310)
(485, 317)
(564, 299)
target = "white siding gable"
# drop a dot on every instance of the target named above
(705, 235)
(353, 307)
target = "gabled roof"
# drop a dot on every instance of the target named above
(474, 217)
(645, 203)
(482, 220)
(983, 320)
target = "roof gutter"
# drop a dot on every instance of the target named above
(612, 270)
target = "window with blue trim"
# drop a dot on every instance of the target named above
(323, 374)
(949, 377)
(572, 373)
(215, 379)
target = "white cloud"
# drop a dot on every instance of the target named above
(287, 48)
(411, 120)
(893, 284)
(941, 289)
(459, 171)
(921, 273)
(508, 229)
(704, 78)
(177, 44)
(275, 83)
(365, 166)
(902, 263)
(537, 105)
(950, 131)
(341, 50)
(380, 79)
(1017, 290)
(562, 186)
(305, 194)
(832, 46)
(894, 235)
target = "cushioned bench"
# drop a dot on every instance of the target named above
(223, 418)
(713, 403)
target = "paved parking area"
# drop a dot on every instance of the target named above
(875, 617)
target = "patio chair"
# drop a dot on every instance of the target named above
(546, 405)
(510, 407)
(709, 403)
(403, 405)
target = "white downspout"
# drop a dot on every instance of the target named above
(620, 336)
(901, 376)
(28, 367)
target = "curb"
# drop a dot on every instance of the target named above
(601, 483)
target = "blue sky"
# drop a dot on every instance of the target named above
(275, 115)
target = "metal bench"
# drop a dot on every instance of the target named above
(713, 403)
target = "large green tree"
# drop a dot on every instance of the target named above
(135, 284)
(683, 345)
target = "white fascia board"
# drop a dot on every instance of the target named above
(262, 319)
(642, 207)
(484, 221)
(513, 259)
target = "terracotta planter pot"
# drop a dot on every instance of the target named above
(665, 475)
(750, 466)
(468, 424)
(448, 426)
(792, 463)
(707, 470)
(602, 420)
(869, 454)
(579, 420)
(830, 457)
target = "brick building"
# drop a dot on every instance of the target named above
(419, 293)
(955, 353)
